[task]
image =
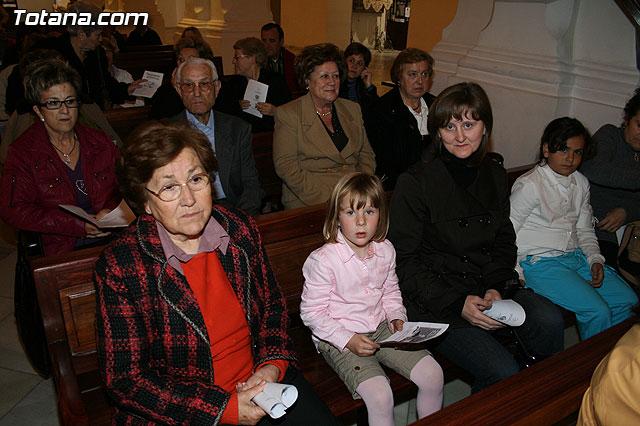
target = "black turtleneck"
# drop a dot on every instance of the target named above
(463, 170)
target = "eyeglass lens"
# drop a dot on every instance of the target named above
(204, 86)
(172, 192)
(70, 103)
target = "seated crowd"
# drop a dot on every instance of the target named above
(454, 239)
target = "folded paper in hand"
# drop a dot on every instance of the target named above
(416, 332)
(276, 398)
(116, 218)
(149, 87)
(255, 92)
(506, 311)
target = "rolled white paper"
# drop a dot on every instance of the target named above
(276, 398)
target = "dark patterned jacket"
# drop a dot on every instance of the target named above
(153, 347)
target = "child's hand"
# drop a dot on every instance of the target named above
(361, 345)
(597, 275)
(396, 325)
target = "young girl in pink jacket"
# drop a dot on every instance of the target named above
(351, 300)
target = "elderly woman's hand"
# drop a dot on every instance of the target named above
(135, 85)
(244, 103)
(94, 232)
(613, 220)
(266, 108)
(472, 312)
(267, 373)
(91, 230)
(248, 412)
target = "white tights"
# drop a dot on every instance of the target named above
(378, 398)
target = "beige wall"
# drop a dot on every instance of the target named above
(303, 22)
(428, 19)
(310, 22)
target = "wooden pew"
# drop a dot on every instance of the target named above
(269, 179)
(140, 59)
(66, 293)
(124, 120)
(547, 393)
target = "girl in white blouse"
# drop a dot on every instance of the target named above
(558, 254)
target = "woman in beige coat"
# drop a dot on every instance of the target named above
(318, 137)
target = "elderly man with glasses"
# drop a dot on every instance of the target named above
(236, 182)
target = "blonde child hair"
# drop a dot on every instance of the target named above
(360, 187)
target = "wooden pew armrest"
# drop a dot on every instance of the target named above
(70, 402)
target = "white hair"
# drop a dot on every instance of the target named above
(196, 61)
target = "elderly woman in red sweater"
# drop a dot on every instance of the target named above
(191, 322)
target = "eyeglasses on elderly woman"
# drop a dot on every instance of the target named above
(172, 191)
(54, 104)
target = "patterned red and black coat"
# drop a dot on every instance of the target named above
(153, 347)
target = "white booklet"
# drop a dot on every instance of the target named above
(149, 87)
(276, 398)
(255, 92)
(116, 218)
(506, 311)
(416, 332)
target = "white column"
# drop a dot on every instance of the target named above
(539, 60)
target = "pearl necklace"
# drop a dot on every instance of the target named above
(323, 114)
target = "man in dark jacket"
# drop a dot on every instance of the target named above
(237, 183)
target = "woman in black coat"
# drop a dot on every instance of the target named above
(455, 243)
(397, 129)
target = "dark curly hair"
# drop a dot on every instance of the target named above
(318, 54)
(152, 145)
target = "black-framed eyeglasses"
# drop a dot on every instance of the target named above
(204, 86)
(70, 103)
(172, 191)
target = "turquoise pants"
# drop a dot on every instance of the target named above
(563, 280)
